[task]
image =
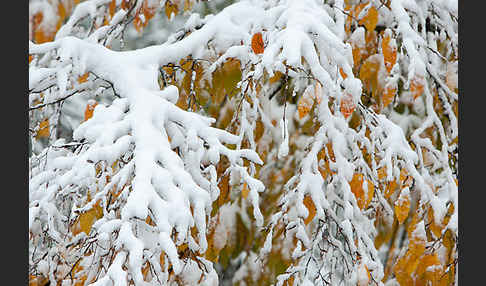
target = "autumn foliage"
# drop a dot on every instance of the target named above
(309, 143)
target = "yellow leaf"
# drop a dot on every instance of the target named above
(276, 77)
(403, 178)
(257, 44)
(408, 263)
(433, 227)
(382, 173)
(413, 224)
(370, 20)
(390, 189)
(357, 55)
(402, 205)
(212, 253)
(305, 103)
(170, 8)
(182, 247)
(429, 270)
(371, 40)
(187, 5)
(86, 220)
(245, 191)
(224, 81)
(311, 207)
(324, 168)
(449, 244)
(43, 131)
(369, 72)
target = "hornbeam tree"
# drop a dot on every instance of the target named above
(253, 142)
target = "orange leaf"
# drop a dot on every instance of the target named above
(83, 78)
(43, 131)
(125, 4)
(343, 74)
(389, 48)
(112, 8)
(311, 207)
(257, 43)
(388, 95)
(356, 185)
(417, 87)
(148, 11)
(402, 205)
(88, 113)
(137, 23)
(41, 35)
(370, 19)
(370, 192)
